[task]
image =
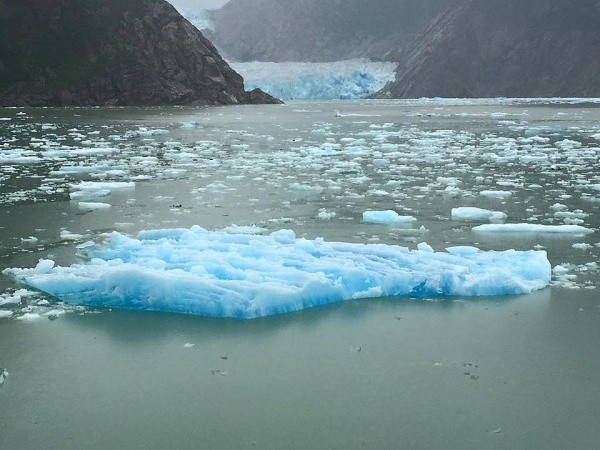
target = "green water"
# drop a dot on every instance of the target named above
(505, 373)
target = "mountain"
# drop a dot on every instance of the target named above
(320, 30)
(512, 48)
(110, 52)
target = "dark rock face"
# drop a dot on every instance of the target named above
(109, 52)
(320, 30)
(512, 48)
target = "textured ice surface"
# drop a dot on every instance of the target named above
(386, 217)
(472, 213)
(533, 228)
(301, 80)
(202, 272)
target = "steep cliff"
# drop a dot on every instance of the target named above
(109, 52)
(513, 48)
(320, 30)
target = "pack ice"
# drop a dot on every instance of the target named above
(216, 273)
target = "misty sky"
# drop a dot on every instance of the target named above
(200, 4)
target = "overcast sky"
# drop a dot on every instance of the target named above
(200, 4)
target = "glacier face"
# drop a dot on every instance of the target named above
(244, 275)
(350, 79)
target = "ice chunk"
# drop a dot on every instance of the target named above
(472, 213)
(425, 247)
(69, 236)
(4, 313)
(29, 317)
(496, 194)
(44, 266)
(326, 215)
(386, 217)
(214, 273)
(239, 229)
(89, 190)
(532, 228)
(92, 206)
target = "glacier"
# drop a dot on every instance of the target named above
(244, 275)
(349, 79)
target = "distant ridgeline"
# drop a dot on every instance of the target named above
(110, 52)
(445, 48)
(508, 48)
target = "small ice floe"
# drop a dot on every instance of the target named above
(502, 195)
(326, 215)
(30, 239)
(90, 190)
(16, 298)
(5, 313)
(188, 345)
(3, 376)
(66, 235)
(386, 217)
(92, 206)
(305, 187)
(146, 132)
(472, 213)
(247, 229)
(29, 317)
(582, 246)
(532, 228)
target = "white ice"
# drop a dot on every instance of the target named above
(496, 194)
(386, 217)
(92, 206)
(214, 273)
(472, 213)
(532, 228)
(348, 79)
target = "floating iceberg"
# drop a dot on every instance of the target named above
(349, 79)
(472, 213)
(215, 273)
(533, 228)
(388, 217)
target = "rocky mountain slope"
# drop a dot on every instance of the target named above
(448, 48)
(320, 30)
(514, 48)
(110, 52)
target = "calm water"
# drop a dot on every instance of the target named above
(516, 372)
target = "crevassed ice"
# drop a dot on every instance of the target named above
(215, 273)
(356, 78)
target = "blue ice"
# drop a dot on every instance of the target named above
(216, 273)
(349, 79)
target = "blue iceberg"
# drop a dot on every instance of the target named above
(217, 273)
